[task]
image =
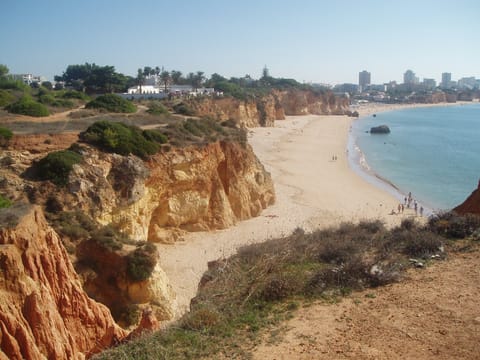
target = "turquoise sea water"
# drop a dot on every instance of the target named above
(433, 152)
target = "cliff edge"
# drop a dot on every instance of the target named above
(471, 205)
(44, 312)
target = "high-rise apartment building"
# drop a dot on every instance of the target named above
(364, 80)
(446, 80)
(410, 78)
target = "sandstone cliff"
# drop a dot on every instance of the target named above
(264, 110)
(471, 205)
(44, 312)
(184, 189)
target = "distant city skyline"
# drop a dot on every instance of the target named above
(309, 40)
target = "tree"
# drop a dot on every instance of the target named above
(147, 70)
(47, 85)
(157, 70)
(165, 77)
(3, 70)
(93, 78)
(197, 79)
(140, 79)
(176, 77)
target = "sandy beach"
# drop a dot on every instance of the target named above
(313, 191)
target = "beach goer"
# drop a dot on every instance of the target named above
(403, 208)
(399, 207)
(405, 200)
(415, 205)
(421, 210)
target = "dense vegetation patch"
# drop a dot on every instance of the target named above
(183, 109)
(157, 108)
(27, 106)
(264, 283)
(123, 139)
(5, 136)
(141, 262)
(112, 103)
(4, 202)
(205, 130)
(56, 166)
(6, 98)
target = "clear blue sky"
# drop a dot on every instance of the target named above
(308, 40)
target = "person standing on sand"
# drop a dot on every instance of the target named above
(416, 208)
(421, 210)
(399, 208)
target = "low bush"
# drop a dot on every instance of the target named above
(453, 225)
(156, 108)
(111, 103)
(73, 94)
(5, 136)
(6, 98)
(56, 166)
(51, 100)
(27, 106)
(122, 139)
(4, 202)
(155, 136)
(183, 109)
(108, 237)
(141, 262)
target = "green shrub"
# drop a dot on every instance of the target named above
(107, 237)
(49, 99)
(141, 262)
(57, 165)
(5, 136)
(121, 139)
(155, 136)
(73, 94)
(27, 106)
(112, 103)
(183, 109)
(6, 98)
(4, 202)
(155, 108)
(8, 84)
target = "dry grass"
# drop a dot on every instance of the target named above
(240, 297)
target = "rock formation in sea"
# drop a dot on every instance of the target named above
(471, 205)
(381, 129)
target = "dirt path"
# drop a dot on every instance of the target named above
(433, 314)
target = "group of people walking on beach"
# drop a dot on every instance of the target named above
(409, 201)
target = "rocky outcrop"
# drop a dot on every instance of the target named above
(249, 113)
(184, 189)
(471, 205)
(297, 102)
(44, 312)
(264, 110)
(381, 129)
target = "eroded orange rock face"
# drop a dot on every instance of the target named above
(264, 111)
(471, 205)
(44, 312)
